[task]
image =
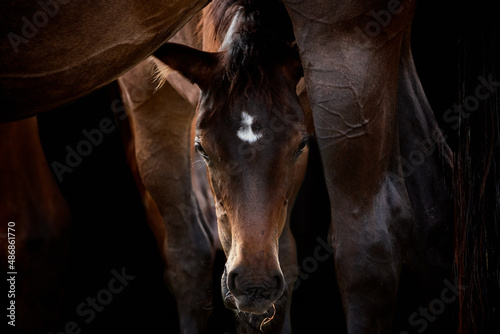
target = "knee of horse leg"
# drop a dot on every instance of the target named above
(368, 290)
(188, 268)
(190, 284)
(368, 273)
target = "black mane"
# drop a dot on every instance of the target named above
(263, 39)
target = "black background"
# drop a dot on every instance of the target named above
(109, 230)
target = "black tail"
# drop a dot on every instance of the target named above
(477, 173)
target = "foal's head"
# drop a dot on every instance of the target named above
(251, 133)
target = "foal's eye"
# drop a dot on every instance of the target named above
(301, 147)
(200, 150)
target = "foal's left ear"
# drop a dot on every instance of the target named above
(195, 65)
(294, 65)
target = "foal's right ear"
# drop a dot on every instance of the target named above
(195, 65)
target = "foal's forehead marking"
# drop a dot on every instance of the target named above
(245, 131)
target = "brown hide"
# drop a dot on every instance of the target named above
(54, 52)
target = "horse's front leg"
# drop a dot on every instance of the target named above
(351, 80)
(370, 208)
(161, 120)
(369, 241)
(188, 255)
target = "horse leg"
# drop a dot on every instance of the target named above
(368, 243)
(188, 262)
(161, 120)
(351, 78)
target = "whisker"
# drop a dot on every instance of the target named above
(197, 165)
(268, 320)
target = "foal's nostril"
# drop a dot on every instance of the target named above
(279, 284)
(231, 282)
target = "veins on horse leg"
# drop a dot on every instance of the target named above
(350, 126)
(344, 135)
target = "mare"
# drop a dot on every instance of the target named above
(251, 132)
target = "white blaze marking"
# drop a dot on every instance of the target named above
(245, 132)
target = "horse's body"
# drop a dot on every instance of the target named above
(54, 52)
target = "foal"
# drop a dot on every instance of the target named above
(251, 133)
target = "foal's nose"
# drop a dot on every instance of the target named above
(255, 293)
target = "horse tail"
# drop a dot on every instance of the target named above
(477, 175)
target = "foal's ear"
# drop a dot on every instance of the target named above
(195, 65)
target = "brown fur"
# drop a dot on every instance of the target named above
(84, 46)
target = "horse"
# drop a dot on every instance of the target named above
(251, 133)
(48, 44)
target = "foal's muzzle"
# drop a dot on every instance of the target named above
(254, 294)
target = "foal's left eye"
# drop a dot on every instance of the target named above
(301, 147)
